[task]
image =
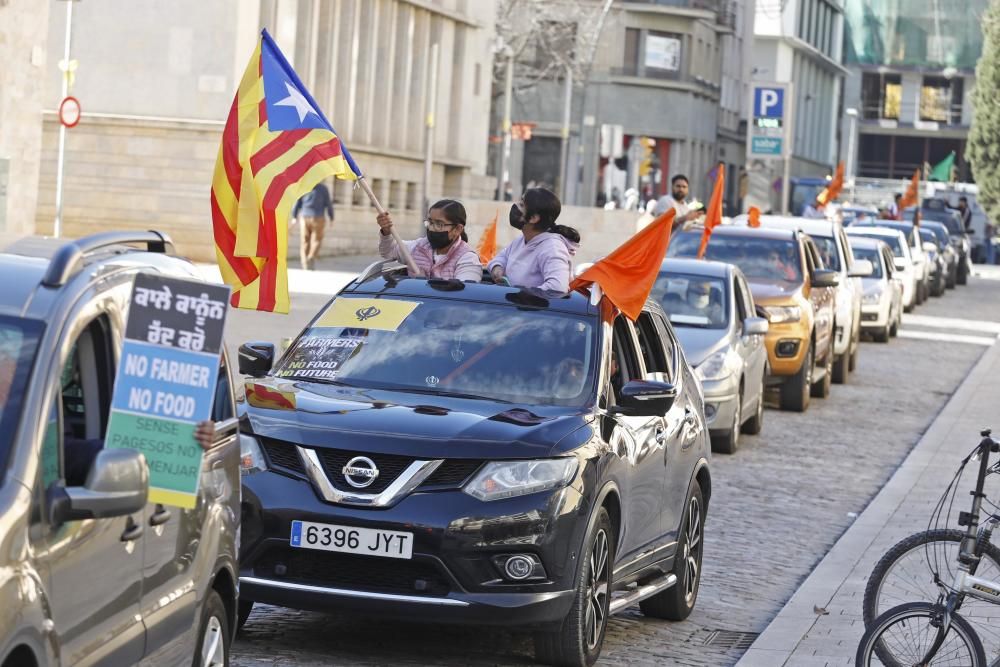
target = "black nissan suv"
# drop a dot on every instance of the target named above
(475, 453)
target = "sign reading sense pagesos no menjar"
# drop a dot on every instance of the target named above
(166, 381)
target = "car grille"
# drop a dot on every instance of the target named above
(452, 473)
(364, 573)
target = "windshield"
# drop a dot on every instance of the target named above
(757, 257)
(475, 350)
(18, 341)
(927, 236)
(693, 301)
(891, 241)
(828, 251)
(947, 217)
(872, 255)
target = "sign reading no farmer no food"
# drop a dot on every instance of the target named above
(166, 380)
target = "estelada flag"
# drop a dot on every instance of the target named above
(264, 397)
(713, 215)
(487, 248)
(911, 196)
(276, 146)
(627, 275)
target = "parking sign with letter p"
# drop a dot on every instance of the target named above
(768, 102)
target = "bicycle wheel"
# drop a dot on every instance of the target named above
(902, 575)
(905, 634)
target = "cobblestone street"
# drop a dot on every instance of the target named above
(778, 505)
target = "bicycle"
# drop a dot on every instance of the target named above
(926, 633)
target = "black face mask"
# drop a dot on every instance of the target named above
(516, 217)
(438, 240)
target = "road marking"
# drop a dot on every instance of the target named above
(951, 323)
(947, 338)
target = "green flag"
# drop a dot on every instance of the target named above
(942, 170)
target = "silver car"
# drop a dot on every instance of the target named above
(882, 300)
(714, 317)
(90, 572)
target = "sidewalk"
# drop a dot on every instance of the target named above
(799, 636)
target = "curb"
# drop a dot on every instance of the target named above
(782, 636)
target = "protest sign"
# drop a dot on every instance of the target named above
(166, 380)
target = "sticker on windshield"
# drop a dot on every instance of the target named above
(380, 314)
(319, 357)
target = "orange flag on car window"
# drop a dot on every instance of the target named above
(912, 194)
(753, 217)
(627, 275)
(487, 248)
(713, 216)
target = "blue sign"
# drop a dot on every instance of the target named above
(768, 102)
(766, 146)
(166, 382)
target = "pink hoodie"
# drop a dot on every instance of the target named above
(545, 262)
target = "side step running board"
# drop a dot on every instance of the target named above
(641, 593)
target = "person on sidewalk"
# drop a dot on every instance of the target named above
(685, 212)
(310, 214)
(542, 256)
(444, 253)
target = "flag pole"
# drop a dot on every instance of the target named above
(400, 246)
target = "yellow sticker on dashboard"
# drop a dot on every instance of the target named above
(380, 314)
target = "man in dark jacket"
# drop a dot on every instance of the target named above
(311, 213)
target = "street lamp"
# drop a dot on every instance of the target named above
(853, 113)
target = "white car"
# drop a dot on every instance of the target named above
(906, 271)
(882, 301)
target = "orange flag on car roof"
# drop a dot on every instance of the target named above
(833, 189)
(487, 248)
(912, 194)
(753, 217)
(627, 275)
(713, 216)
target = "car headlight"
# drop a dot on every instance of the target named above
(507, 479)
(779, 314)
(716, 367)
(251, 457)
(872, 298)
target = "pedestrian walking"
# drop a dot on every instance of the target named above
(311, 213)
(894, 212)
(444, 252)
(542, 256)
(678, 199)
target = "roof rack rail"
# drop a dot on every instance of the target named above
(67, 260)
(376, 269)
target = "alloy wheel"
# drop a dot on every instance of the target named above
(692, 550)
(598, 589)
(213, 646)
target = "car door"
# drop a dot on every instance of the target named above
(755, 359)
(94, 565)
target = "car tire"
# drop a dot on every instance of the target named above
(577, 642)
(883, 335)
(677, 602)
(729, 442)
(856, 350)
(821, 389)
(243, 613)
(963, 274)
(894, 329)
(795, 391)
(755, 424)
(212, 649)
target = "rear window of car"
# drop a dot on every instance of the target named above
(18, 344)
(692, 301)
(436, 346)
(758, 257)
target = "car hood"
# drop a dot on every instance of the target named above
(700, 344)
(772, 292)
(394, 422)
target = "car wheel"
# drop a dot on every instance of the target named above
(245, 607)
(677, 602)
(577, 643)
(883, 335)
(821, 389)
(795, 390)
(729, 442)
(755, 424)
(212, 649)
(855, 351)
(963, 274)
(894, 329)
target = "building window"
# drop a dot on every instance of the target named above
(631, 63)
(662, 53)
(941, 100)
(881, 95)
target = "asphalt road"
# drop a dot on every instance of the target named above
(779, 504)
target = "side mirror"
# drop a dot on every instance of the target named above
(645, 398)
(117, 485)
(825, 278)
(899, 263)
(256, 359)
(862, 268)
(755, 326)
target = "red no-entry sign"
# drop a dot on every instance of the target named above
(69, 111)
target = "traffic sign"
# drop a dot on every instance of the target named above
(768, 132)
(69, 111)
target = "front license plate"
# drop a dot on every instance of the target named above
(351, 540)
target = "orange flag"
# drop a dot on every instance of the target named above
(753, 217)
(627, 275)
(911, 196)
(833, 188)
(713, 216)
(487, 248)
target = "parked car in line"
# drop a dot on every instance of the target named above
(882, 302)
(937, 210)
(905, 270)
(946, 249)
(921, 265)
(90, 573)
(475, 453)
(936, 257)
(791, 286)
(835, 250)
(713, 314)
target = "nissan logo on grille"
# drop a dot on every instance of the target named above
(360, 472)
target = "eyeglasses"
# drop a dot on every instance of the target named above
(438, 226)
